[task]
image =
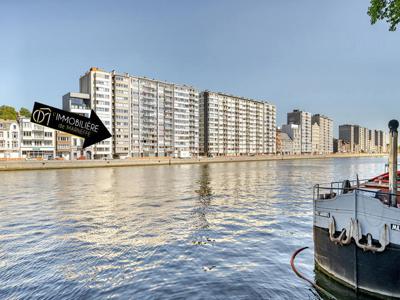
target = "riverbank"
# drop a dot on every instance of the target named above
(72, 164)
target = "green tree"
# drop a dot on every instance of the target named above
(24, 112)
(388, 10)
(8, 112)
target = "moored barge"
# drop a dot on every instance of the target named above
(357, 230)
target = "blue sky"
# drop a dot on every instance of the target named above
(319, 56)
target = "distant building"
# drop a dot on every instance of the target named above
(9, 139)
(371, 141)
(361, 139)
(303, 120)
(63, 145)
(36, 141)
(232, 125)
(293, 131)
(325, 134)
(285, 146)
(335, 145)
(340, 146)
(346, 134)
(315, 139)
(78, 103)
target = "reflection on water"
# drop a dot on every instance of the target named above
(336, 289)
(166, 232)
(204, 200)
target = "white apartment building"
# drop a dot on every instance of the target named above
(154, 118)
(9, 139)
(293, 131)
(231, 125)
(146, 117)
(325, 134)
(36, 141)
(303, 120)
(98, 85)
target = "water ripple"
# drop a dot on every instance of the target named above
(213, 231)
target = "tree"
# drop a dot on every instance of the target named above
(8, 112)
(388, 10)
(24, 112)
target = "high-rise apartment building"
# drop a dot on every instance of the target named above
(231, 125)
(303, 120)
(325, 134)
(154, 118)
(146, 117)
(98, 85)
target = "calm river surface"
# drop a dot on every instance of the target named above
(217, 231)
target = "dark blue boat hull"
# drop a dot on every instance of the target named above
(376, 274)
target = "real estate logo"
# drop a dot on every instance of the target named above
(41, 115)
(91, 129)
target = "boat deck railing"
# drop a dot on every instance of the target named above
(330, 191)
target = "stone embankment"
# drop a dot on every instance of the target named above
(71, 164)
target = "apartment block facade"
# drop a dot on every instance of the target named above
(303, 120)
(231, 125)
(154, 118)
(325, 134)
(146, 117)
(98, 85)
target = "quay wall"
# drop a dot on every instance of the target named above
(72, 164)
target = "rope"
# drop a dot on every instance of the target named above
(312, 283)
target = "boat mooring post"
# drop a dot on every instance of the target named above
(393, 144)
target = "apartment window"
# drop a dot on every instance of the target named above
(102, 89)
(48, 134)
(27, 133)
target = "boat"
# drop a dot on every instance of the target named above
(356, 230)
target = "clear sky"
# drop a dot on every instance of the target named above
(319, 56)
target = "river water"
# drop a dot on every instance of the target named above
(216, 231)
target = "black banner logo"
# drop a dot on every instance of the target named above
(91, 129)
